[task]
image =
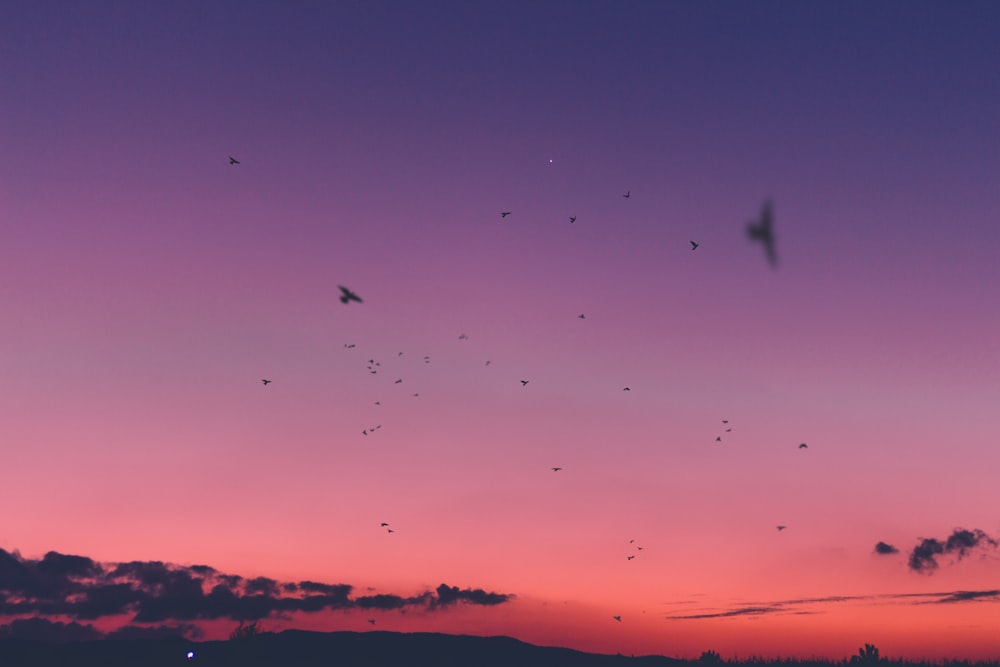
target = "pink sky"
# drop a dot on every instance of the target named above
(147, 287)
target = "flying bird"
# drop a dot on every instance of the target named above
(725, 421)
(582, 316)
(556, 469)
(347, 295)
(384, 524)
(781, 528)
(617, 618)
(718, 439)
(763, 231)
(372, 621)
(233, 160)
(803, 446)
(504, 214)
(266, 382)
(627, 194)
(694, 246)
(572, 219)
(390, 530)
(629, 557)
(627, 389)
(524, 383)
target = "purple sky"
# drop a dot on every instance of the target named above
(147, 286)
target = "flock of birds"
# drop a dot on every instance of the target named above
(759, 231)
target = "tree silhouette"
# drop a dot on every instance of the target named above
(867, 655)
(710, 657)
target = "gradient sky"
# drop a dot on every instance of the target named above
(147, 286)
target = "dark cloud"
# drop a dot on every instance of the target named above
(162, 598)
(883, 549)
(451, 594)
(57, 632)
(923, 558)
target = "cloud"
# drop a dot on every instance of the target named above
(923, 558)
(883, 549)
(740, 611)
(968, 596)
(164, 598)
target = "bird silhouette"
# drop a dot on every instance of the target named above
(384, 524)
(728, 430)
(582, 316)
(803, 446)
(504, 214)
(763, 231)
(725, 421)
(572, 219)
(718, 439)
(233, 160)
(266, 382)
(617, 618)
(781, 528)
(629, 557)
(556, 469)
(347, 295)
(463, 337)
(372, 621)
(524, 383)
(627, 194)
(694, 246)
(390, 530)
(627, 389)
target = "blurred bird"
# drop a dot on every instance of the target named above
(781, 528)
(617, 618)
(627, 194)
(718, 439)
(347, 295)
(572, 219)
(629, 557)
(582, 316)
(383, 524)
(763, 231)
(266, 382)
(390, 530)
(803, 446)
(233, 160)
(556, 469)
(627, 389)
(504, 214)
(694, 246)
(524, 383)
(372, 621)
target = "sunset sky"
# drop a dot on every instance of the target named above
(147, 286)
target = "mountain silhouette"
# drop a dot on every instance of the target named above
(299, 648)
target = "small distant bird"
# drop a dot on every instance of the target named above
(617, 618)
(524, 383)
(631, 541)
(803, 446)
(781, 528)
(390, 530)
(266, 382)
(728, 430)
(629, 557)
(504, 214)
(627, 389)
(463, 337)
(694, 246)
(349, 345)
(487, 362)
(372, 621)
(365, 432)
(572, 219)
(233, 160)
(639, 548)
(627, 194)
(347, 295)
(556, 469)
(582, 316)
(718, 439)
(763, 231)
(384, 524)
(378, 402)
(725, 421)
(398, 381)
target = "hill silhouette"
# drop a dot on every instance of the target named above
(298, 648)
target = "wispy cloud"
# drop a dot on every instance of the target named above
(153, 592)
(815, 605)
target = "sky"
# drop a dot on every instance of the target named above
(153, 482)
